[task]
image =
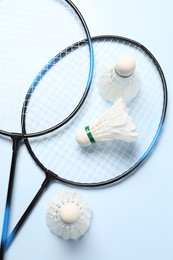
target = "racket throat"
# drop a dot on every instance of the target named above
(50, 177)
(17, 138)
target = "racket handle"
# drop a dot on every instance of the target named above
(26, 214)
(16, 142)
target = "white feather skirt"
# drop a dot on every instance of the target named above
(114, 86)
(69, 215)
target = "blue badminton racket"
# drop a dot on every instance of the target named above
(40, 27)
(101, 163)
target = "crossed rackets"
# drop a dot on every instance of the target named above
(61, 99)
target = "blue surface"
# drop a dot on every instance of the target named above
(133, 219)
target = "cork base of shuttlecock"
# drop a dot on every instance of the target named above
(82, 138)
(125, 66)
(69, 216)
(69, 213)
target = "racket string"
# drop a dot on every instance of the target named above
(56, 96)
(104, 161)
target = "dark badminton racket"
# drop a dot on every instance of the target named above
(71, 74)
(108, 162)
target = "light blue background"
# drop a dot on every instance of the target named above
(132, 220)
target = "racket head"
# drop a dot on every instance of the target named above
(59, 155)
(42, 29)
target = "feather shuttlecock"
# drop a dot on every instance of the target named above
(120, 80)
(69, 216)
(115, 124)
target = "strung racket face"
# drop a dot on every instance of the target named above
(31, 33)
(105, 162)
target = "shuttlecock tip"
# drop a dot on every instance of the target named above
(125, 66)
(69, 213)
(82, 138)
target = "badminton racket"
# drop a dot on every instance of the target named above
(33, 21)
(109, 162)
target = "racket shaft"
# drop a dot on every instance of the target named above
(16, 142)
(25, 215)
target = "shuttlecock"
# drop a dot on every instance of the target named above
(120, 80)
(115, 124)
(69, 215)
